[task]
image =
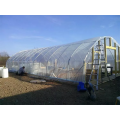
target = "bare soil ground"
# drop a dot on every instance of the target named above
(17, 90)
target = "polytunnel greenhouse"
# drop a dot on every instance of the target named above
(87, 60)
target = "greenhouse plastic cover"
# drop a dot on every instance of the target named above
(64, 61)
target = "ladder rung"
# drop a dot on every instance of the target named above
(99, 59)
(88, 74)
(94, 74)
(98, 50)
(93, 79)
(99, 45)
(95, 69)
(98, 53)
(96, 64)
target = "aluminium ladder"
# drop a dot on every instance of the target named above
(99, 60)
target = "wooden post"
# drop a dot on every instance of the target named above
(119, 57)
(68, 71)
(115, 60)
(84, 71)
(98, 62)
(99, 49)
(93, 77)
(105, 56)
(110, 42)
(92, 55)
(100, 72)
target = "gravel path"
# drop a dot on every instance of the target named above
(17, 90)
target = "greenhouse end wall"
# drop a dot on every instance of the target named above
(65, 62)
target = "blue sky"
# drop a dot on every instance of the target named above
(23, 32)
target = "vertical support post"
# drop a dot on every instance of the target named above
(110, 42)
(98, 54)
(39, 68)
(46, 69)
(100, 72)
(105, 56)
(99, 78)
(68, 71)
(119, 57)
(115, 60)
(84, 71)
(92, 55)
(93, 77)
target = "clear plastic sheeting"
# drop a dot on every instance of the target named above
(65, 61)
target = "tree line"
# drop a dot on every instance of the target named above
(3, 58)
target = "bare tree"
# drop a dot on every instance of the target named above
(4, 54)
(3, 58)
